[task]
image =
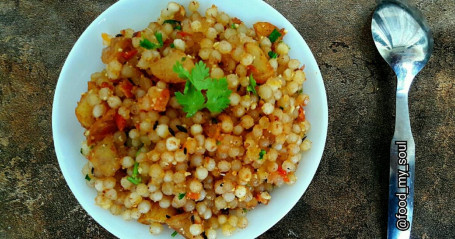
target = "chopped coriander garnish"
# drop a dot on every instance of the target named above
(233, 26)
(147, 44)
(172, 45)
(218, 142)
(174, 234)
(274, 35)
(87, 177)
(217, 94)
(252, 86)
(181, 195)
(192, 100)
(171, 21)
(244, 210)
(135, 178)
(138, 151)
(273, 55)
(159, 38)
(176, 24)
(261, 154)
(81, 151)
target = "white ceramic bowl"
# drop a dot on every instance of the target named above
(85, 58)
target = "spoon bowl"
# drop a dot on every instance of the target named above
(401, 36)
(404, 40)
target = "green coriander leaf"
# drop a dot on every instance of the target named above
(81, 152)
(218, 96)
(172, 45)
(181, 196)
(135, 178)
(274, 35)
(136, 169)
(273, 55)
(159, 38)
(192, 100)
(218, 142)
(176, 24)
(181, 71)
(233, 26)
(171, 21)
(145, 43)
(245, 210)
(252, 86)
(87, 177)
(174, 234)
(261, 154)
(187, 87)
(199, 76)
(134, 181)
(138, 152)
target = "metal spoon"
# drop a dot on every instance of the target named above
(404, 40)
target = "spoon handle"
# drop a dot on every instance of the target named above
(402, 166)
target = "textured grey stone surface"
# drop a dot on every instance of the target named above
(348, 196)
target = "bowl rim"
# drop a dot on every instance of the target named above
(56, 106)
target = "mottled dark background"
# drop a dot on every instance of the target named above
(348, 196)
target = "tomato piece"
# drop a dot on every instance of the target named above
(194, 196)
(301, 116)
(184, 34)
(161, 101)
(129, 54)
(260, 199)
(120, 122)
(252, 69)
(107, 85)
(126, 87)
(283, 173)
(236, 20)
(155, 99)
